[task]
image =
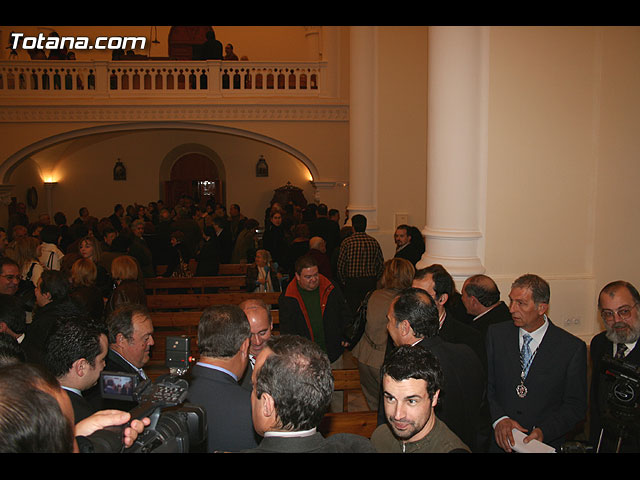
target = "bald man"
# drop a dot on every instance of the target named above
(261, 323)
(481, 298)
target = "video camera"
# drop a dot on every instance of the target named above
(622, 390)
(176, 427)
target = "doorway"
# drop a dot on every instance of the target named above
(195, 175)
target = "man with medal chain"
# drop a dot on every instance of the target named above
(539, 389)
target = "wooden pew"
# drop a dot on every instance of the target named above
(223, 269)
(359, 422)
(167, 324)
(200, 301)
(160, 285)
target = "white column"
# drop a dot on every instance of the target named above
(362, 125)
(457, 149)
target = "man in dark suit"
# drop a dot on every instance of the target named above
(405, 247)
(223, 239)
(323, 227)
(413, 320)
(223, 342)
(13, 318)
(537, 371)
(481, 298)
(438, 283)
(76, 353)
(130, 342)
(292, 390)
(618, 303)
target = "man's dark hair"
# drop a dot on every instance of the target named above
(322, 210)
(72, 340)
(219, 221)
(359, 223)
(443, 281)
(333, 211)
(298, 377)
(613, 286)
(414, 362)
(121, 320)
(31, 420)
(56, 284)
(12, 313)
(59, 218)
(7, 261)
(483, 288)
(305, 261)
(222, 330)
(417, 307)
(540, 291)
(117, 206)
(10, 351)
(50, 234)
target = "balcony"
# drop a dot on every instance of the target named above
(52, 82)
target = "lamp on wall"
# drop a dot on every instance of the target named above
(48, 188)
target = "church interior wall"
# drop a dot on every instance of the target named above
(562, 170)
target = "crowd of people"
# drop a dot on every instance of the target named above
(446, 370)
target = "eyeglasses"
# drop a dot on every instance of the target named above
(623, 313)
(11, 277)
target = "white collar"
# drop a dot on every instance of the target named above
(300, 433)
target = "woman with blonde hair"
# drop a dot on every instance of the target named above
(397, 275)
(261, 275)
(128, 286)
(89, 247)
(25, 251)
(84, 291)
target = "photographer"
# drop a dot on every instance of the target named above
(36, 415)
(618, 304)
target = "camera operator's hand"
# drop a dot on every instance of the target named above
(109, 418)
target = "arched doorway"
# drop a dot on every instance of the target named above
(195, 175)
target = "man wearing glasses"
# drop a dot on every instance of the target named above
(9, 276)
(612, 425)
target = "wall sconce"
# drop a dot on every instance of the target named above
(48, 188)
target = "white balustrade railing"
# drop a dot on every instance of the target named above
(72, 79)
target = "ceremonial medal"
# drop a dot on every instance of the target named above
(521, 390)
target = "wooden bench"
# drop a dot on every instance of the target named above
(167, 324)
(200, 301)
(362, 422)
(163, 285)
(223, 269)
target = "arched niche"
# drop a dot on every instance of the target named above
(186, 168)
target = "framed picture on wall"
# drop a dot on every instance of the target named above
(119, 171)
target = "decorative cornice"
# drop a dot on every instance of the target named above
(122, 113)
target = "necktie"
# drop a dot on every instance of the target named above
(525, 354)
(622, 348)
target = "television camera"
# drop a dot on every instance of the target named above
(176, 426)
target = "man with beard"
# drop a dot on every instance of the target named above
(618, 303)
(411, 382)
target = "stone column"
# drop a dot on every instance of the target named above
(363, 162)
(457, 149)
